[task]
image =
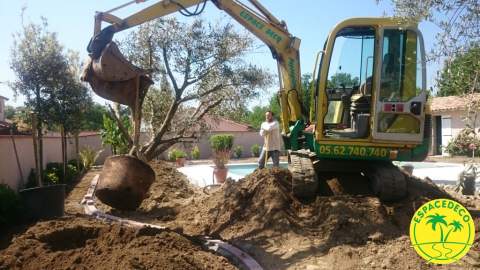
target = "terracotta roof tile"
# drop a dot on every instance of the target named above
(220, 124)
(449, 103)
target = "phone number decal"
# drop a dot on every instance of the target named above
(347, 150)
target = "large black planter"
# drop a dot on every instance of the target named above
(44, 202)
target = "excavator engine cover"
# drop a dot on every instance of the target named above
(124, 182)
(113, 77)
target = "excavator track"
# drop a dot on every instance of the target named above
(304, 181)
(387, 181)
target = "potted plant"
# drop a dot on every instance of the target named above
(255, 149)
(237, 151)
(195, 153)
(178, 156)
(222, 147)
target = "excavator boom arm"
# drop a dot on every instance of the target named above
(284, 46)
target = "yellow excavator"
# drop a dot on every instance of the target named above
(369, 100)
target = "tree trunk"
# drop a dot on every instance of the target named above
(77, 151)
(35, 150)
(40, 150)
(64, 162)
(16, 158)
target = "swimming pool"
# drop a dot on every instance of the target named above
(247, 168)
(442, 173)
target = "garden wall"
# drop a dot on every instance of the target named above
(52, 152)
(243, 138)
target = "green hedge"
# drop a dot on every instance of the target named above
(53, 174)
(11, 206)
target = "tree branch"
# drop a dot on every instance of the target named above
(187, 71)
(169, 72)
(198, 96)
(178, 138)
(208, 108)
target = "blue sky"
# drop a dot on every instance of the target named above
(310, 20)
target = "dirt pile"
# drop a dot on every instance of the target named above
(79, 243)
(260, 215)
(262, 201)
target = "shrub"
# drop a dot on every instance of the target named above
(221, 142)
(222, 147)
(51, 177)
(459, 146)
(255, 149)
(53, 174)
(195, 153)
(88, 156)
(237, 151)
(10, 206)
(176, 153)
(73, 162)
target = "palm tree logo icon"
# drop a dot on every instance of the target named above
(441, 234)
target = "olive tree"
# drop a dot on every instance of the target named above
(37, 60)
(197, 67)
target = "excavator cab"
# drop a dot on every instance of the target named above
(371, 85)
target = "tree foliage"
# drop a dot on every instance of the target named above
(458, 22)
(458, 75)
(112, 135)
(342, 79)
(256, 115)
(37, 61)
(9, 112)
(198, 68)
(93, 117)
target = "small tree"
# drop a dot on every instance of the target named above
(37, 61)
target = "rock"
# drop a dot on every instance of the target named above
(376, 237)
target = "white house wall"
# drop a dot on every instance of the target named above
(456, 125)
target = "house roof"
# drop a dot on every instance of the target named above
(450, 103)
(220, 124)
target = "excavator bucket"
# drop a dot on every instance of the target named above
(113, 77)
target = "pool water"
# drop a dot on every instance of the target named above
(245, 169)
(434, 170)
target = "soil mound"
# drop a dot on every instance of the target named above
(79, 243)
(263, 201)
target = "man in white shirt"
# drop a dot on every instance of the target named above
(270, 130)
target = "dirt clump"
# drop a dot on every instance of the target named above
(80, 243)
